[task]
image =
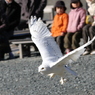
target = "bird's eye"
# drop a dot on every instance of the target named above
(42, 68)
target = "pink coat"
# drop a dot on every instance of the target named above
(76, 19)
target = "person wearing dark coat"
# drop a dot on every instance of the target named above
(10, 13)
(30, 8)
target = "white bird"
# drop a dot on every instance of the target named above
(54, 63)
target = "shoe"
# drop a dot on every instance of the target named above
(11, 55)
(67, 51)
(93, 52)
(86, 53)
(9, 58)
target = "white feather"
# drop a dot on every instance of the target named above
(54, 63)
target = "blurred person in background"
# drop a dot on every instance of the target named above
(30, 8)
(89, 29)
(60, 23)
(76, 22)
(9, 18)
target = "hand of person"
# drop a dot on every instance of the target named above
(93, 24)
(62, 33)
(2, 27)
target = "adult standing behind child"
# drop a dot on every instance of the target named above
(76, 22)
(89, 29)
(60, 22)
(30, 8)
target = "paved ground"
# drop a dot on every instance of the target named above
(21, 77)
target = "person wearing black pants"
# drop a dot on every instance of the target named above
(30, 8)
(59, 41)
(72, 40)
(89, 32)
(89, 29)
(9, 18)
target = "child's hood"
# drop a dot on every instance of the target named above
(77, 9)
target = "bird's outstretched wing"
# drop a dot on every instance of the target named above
(41, 36)
(73, 55)
(38, 29)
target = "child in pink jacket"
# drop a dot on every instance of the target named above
(76, 22)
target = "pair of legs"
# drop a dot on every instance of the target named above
(88, 34)
(5, 47)
(71, 40)
(60, 42)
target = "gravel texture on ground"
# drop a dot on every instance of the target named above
(21, 77)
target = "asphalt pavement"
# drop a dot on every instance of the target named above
(21, 77)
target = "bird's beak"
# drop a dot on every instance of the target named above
(40, 71)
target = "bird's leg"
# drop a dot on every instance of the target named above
(63, 80)
(51, 75)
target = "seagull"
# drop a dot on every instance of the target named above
(53, 61)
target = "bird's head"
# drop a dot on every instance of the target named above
(44, 69)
